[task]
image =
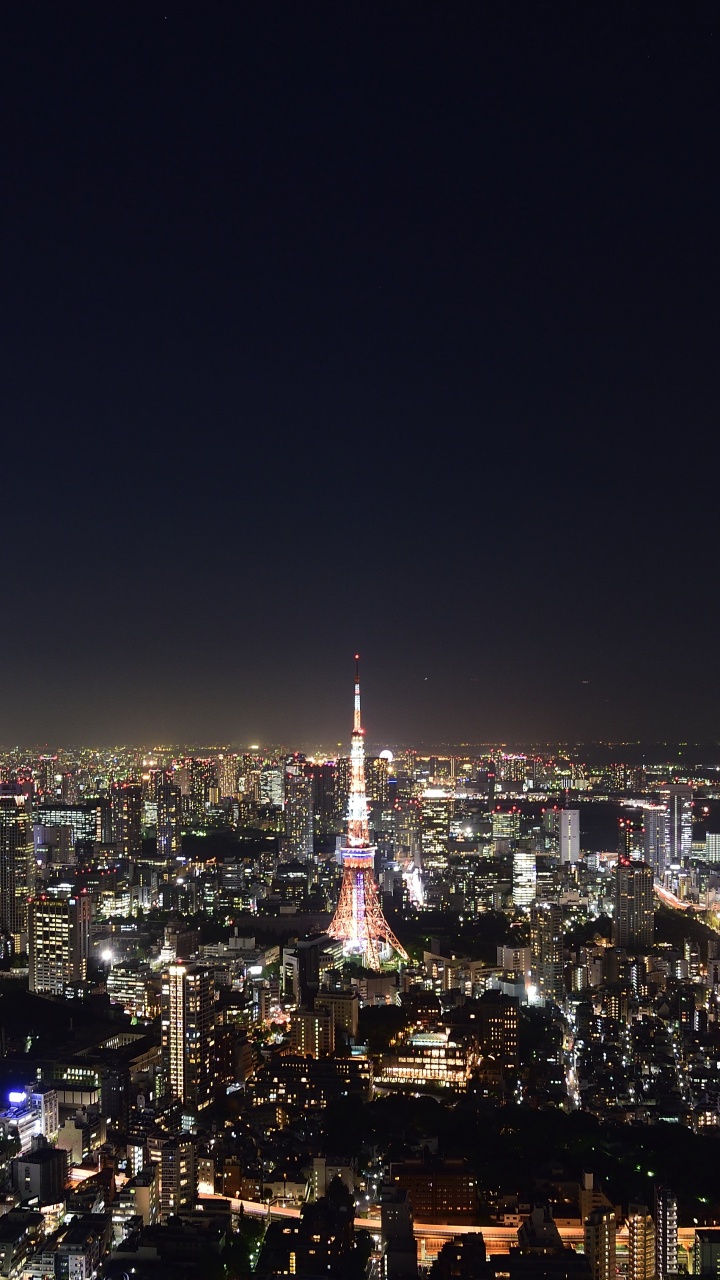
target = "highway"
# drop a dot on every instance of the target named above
(431, 1236)
(670, 900)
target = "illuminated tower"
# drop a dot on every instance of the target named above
(358, 921)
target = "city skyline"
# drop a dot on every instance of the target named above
(378, 338)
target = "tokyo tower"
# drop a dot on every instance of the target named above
(358, 921)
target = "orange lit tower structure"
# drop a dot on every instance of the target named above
(358, 921)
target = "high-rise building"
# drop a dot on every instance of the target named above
(634, 919)
(551, 828)
(342, 786)
(377, 778)
(641, 1243)
(227, 768)
(569, 835)
(712, 846)
(89, 821)
(524, 877)
(506, 826)
(343, 1006)
(126, 810)
(272, 791)
(178, 1174)
(546, 951)
(436, 808)
(630, 837)
(169, 820)
(678, 839)
(498, 1019)
(188, 1034)
(17, 862)
(600, 1243)
(58, 942)
(298, 809)
(654, 836)
(324, 794)
(666, 1233)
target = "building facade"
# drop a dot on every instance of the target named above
(58, 942)
(188, 1034)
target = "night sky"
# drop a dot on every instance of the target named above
(337, 326)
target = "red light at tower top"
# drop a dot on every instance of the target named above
(358, 921)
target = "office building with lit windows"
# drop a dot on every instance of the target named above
(524, 877)
(188, 1034)
(654, 837)
(569, 835)
(17, 862)
(634, 919)
(58, 942)
(678, 837)
(298, 841)
(428, 1057)
(126, 806)
(312, 1033)
(169, 820)
(546, 951)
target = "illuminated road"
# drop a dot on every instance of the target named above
(670, 900)
(432, 1235)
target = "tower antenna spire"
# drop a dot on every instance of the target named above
(357, 724)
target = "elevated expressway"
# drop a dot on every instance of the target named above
(431, 1236)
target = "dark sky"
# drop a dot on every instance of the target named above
(331, 326)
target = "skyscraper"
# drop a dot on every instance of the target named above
(712, 846)
(634, 920)
(641, 1243)
(227, 774)
(126, 809)
(569, 822)
(323, 777)
(546, 951)
(524, 876)
(678, 839)
(169, 819)
(17, 862)
(654, 837)
(666, 1233)
(58, 942)
(298, 809)
(377, 775)
(630, 837)
(178, 1174)
(188, 1034)
(271, 785)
